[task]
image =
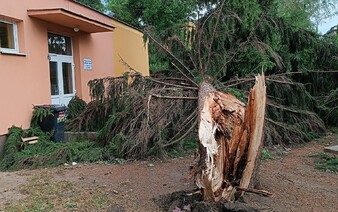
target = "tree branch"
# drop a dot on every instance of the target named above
(174, 97)
(184, 74)
(183, 136)
(172, 55)
(213, 35)
(170, 84)
(251, 190)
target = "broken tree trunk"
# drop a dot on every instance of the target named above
(231, 137)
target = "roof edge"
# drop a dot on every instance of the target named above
(65, 11)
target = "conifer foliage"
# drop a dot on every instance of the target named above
(230, 41)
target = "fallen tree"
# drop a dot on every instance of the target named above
(231, 137)
(141, 118)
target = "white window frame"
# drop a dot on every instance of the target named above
(15, 38)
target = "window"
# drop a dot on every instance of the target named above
(59, 44)
(8, 37)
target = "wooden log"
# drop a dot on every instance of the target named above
(33, 142)
(29, 139)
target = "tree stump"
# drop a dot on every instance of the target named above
(230, 141)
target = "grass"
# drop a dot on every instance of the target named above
(334, 129)
(312, 135)
(46, 194)
(183, 148)
(40, 191)
(266, 155)
(99, 201)
(325, 162)
(71, 205)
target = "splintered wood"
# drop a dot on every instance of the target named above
(230, 136)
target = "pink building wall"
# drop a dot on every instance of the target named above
(25, 80)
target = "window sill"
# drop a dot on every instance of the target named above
(14, 53)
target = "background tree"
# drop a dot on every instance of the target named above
(95, 4)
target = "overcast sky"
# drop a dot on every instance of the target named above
(327, 24)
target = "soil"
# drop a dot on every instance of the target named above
(291, 177)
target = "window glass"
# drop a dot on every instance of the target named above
(54, 86)
(59, 44)
(7, 36)
(67, 78)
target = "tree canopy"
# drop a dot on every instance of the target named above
(94, 4)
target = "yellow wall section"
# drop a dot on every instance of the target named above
(129, 45)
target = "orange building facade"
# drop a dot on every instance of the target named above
(50, 49)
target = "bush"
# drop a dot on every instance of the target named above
(75, 107)
(326, 162)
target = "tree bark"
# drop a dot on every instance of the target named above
(230, 139)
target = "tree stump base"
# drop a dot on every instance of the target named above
(182, 201)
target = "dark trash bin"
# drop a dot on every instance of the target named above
(54, 122)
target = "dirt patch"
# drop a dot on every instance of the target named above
(10, 187)
(295, 183)
(291, 177)
(131, 186)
